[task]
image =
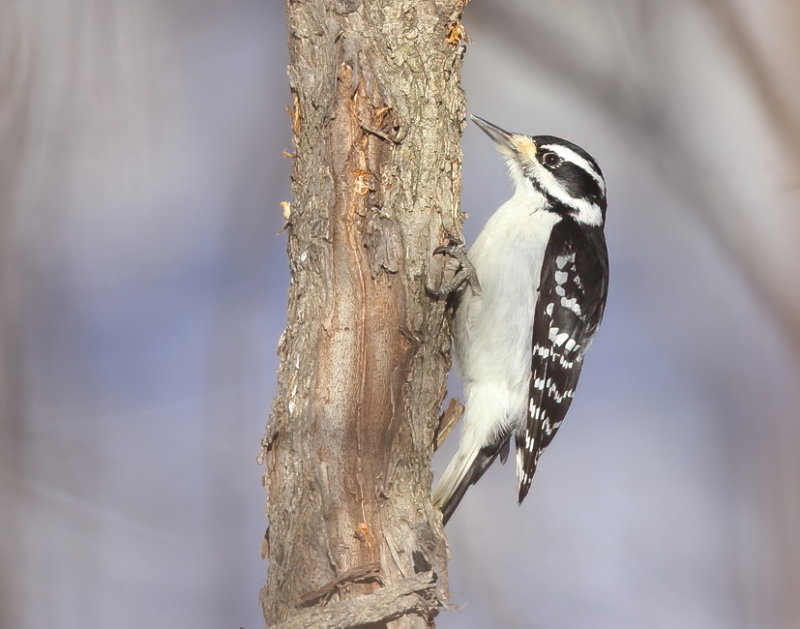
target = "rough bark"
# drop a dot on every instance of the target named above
(377, 115)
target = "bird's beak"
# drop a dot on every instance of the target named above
(501, 137)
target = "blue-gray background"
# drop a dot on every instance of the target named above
(143, 290)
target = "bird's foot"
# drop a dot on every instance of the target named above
(465, 274)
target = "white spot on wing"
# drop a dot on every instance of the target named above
(571, 304)
(560, 339)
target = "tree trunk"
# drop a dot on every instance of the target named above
(377, 115)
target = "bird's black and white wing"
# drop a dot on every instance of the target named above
(572, 294)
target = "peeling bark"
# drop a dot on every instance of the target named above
(378, 115)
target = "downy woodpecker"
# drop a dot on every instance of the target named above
(522, 327)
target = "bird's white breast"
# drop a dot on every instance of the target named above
(493, 330)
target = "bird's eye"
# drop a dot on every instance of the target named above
(551, 159)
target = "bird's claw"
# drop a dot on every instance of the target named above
(456, 249)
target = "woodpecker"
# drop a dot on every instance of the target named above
(538, 280)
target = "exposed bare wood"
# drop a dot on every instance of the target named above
(450, 417)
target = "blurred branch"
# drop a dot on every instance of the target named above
(780, 459)
(15, 107)
(779, 112)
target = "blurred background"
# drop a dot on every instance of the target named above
(143, 288)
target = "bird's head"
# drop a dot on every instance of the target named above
(566, 175)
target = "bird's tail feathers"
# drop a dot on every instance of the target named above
(464, 470)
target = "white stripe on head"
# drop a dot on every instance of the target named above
(568, 155)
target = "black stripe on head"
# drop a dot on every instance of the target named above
(577, 172)
(578, 183)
